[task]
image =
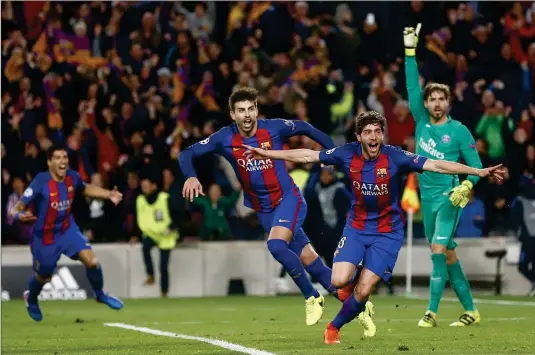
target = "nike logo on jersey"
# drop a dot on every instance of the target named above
(53, 193)
(283, 221)
(236, 148)
(428, 125)
(354, 171)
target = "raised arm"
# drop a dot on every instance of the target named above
(416, 100)
(302, 156)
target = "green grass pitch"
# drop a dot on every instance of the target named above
(271, 324)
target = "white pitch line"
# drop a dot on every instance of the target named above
(220, 343)
(482, 301)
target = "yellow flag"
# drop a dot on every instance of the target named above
(410, 199)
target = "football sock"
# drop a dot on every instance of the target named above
(291, 262)
(35, 288)
(439, 276)
(322, 273)
(461, 286)
(96, 280)
(350, 309)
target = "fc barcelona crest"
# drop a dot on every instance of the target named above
(382, 173)
(265, 145)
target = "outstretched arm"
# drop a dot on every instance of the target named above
(98, 192)
(302, 156)
(452, 168)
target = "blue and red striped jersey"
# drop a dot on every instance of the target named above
(264, 181)
(376, 205)
(52, 201)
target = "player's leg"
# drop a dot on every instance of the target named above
(282, 223)
(312, 261)
(77, 247)
(164, 271)
(438, 277)
(45, 258)
(379, 261)
(148, 243)
(347, 256)
(526, 263)
(461, 286)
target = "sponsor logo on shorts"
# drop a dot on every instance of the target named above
(284, 221)
(442, 238)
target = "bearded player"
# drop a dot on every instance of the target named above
(55, 232)
(269, 190)
(374, 230)
(439, 136)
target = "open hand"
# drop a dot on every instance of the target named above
(497, 172)
(27, 217)
(255, 153)
(192, 189)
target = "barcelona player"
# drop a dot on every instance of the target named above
(374, 230)
(55, 232)
(269, 190)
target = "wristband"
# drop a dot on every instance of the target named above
(411, 52)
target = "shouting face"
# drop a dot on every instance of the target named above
(58, 164)
(371, 139)
(245, 113)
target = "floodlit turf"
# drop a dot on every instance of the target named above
(273, 324)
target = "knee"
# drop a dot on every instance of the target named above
(43, 279)
(438, 249)
(92, 263)
(277, 247)
(339, 281)
(451, 257)
(363, 290)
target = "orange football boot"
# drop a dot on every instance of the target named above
(331, 335)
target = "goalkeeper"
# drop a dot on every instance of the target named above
(438, 136)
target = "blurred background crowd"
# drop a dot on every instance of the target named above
(128, 85)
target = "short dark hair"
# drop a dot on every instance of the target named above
(434, 87)
(369, 117)
(242, 94)
(54, 148)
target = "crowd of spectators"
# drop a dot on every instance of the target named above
(127, 85)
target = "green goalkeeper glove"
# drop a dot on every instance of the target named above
(410, 39)
(460, 195)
